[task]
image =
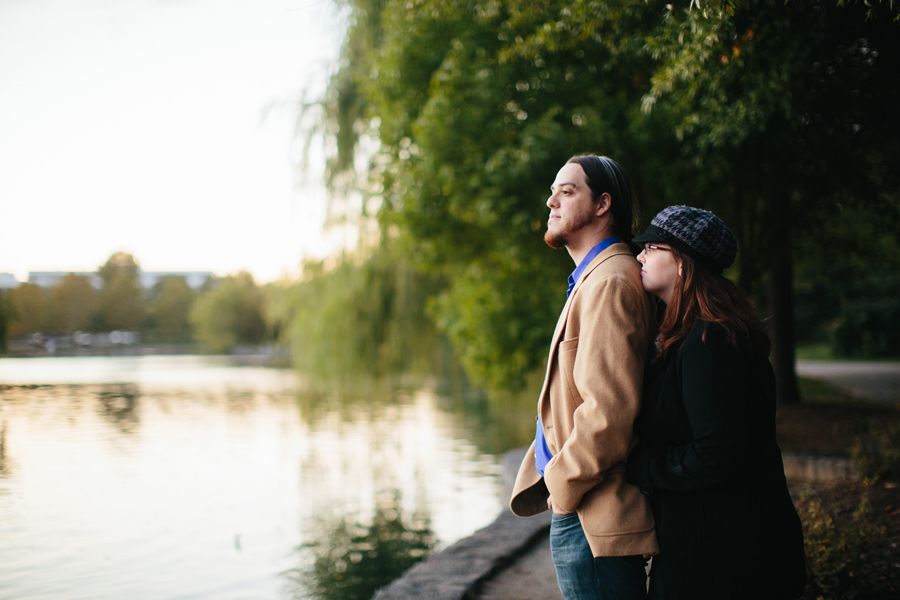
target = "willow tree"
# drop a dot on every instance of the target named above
(754, 111)
(472, 125)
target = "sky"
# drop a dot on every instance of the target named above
(161, 128)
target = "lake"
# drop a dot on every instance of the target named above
(187, 477)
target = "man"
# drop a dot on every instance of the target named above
(601, 526)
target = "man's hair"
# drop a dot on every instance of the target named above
(604, 175)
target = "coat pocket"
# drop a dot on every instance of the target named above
(615, 507)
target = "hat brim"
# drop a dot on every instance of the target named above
(653, 234)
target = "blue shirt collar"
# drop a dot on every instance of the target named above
(591, 255)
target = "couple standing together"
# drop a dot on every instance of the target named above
(656, 437)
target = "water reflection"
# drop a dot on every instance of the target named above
(236, 483)
(4, 463)
(350, 559)
(117, 403)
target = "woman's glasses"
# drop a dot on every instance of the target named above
(651, 247)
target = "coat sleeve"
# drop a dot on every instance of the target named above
(606, 376)
(715, 393)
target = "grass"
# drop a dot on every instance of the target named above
(815, 352)
(829, 420)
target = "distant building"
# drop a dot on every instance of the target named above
(194, 279)
(48, 279)
(8, 281)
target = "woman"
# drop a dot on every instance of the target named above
(707, 456)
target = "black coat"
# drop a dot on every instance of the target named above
(708, 460)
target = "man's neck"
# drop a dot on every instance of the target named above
(582, 244)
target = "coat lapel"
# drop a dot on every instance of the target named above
(564, 315)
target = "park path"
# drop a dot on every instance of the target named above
(876, 381)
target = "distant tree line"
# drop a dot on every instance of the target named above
(225, 312)
(780, 116)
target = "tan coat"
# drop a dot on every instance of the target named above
(590, 398)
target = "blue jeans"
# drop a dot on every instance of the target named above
(581, 576)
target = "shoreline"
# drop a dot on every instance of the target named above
(458, 572)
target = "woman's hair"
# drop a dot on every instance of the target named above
(604, 175)
(701, 295)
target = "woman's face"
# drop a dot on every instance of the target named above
(659, 270)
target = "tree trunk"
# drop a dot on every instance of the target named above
(781, 301)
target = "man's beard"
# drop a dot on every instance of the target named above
(557, 239)
(560, 238)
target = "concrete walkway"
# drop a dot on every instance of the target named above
(876, 381)
(510, 559)
(530, 576)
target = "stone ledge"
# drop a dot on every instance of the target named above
(453, 573)
(813, 468)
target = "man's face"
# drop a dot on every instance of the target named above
(571, 206)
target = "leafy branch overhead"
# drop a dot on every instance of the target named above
(773, 114)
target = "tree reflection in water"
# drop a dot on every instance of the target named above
(351, 561)
(239, 480)
(118, 404)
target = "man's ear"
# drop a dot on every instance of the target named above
(604, 202)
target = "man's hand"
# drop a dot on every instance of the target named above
(555, 507)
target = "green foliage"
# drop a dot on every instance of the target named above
(122, 303)
(772, 114)
(169, 308)
(471, 134)
(28, 310)
(161, 314)
(877, 452)
(73, 305)
(836, 549)
(230, 313)
(6, 309)
(496, 312)
(122, 297)
(358, 318)
(848, 280)
(782, 108)
(116, 264)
